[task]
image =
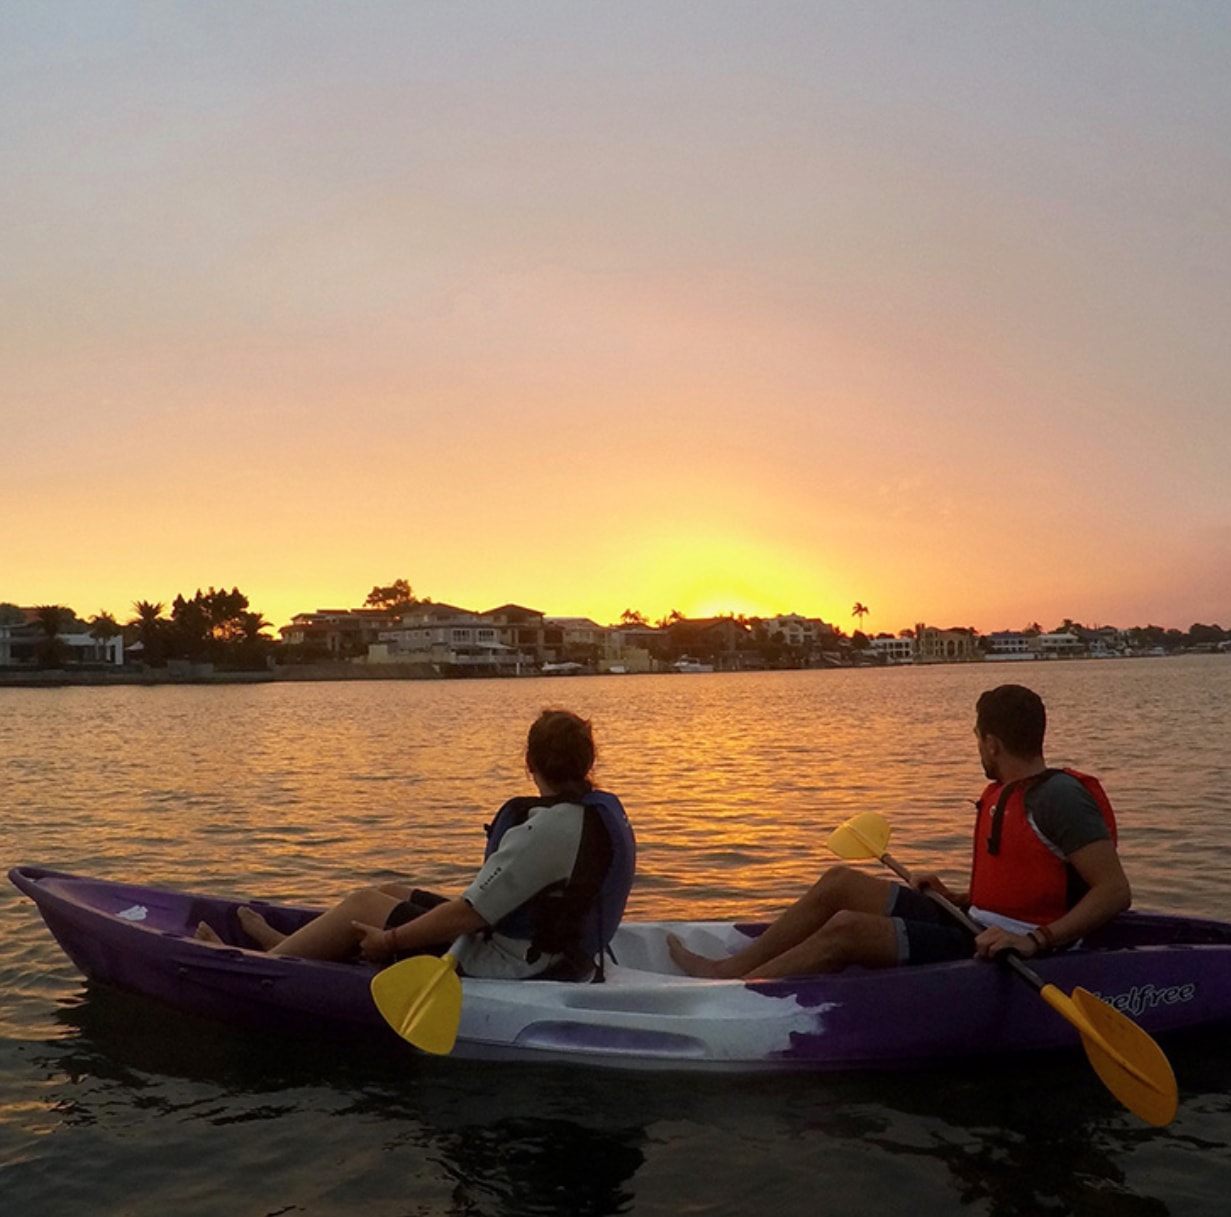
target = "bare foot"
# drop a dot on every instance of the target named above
(692, 964)
(258, 929)
(207, 933)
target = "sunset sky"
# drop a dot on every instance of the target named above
(708, 306)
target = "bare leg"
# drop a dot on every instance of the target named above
(692, 964)
(331, 935)
(206, 933)
(258, 929)
(868, 939)
(400, 891)
(839, 888)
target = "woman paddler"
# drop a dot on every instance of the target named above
(546, 901)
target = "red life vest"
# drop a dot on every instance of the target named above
(1014, 873)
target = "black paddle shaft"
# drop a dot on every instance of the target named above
(1008, 958)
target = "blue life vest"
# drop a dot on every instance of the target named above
(576, 918)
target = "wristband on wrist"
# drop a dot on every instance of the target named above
(1040, 945)
(1048, 937)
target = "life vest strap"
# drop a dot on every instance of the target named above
(1010, 788)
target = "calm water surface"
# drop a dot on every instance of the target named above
(112, 1105)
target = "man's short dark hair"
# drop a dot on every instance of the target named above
(1016, 716)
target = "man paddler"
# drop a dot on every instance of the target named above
(1045, 873)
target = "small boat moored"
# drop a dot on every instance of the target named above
(1167, 972)
(687, 664)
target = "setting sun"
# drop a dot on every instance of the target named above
(709, 574)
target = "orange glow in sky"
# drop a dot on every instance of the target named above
(593, 310)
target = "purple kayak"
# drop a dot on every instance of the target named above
(1166, 972)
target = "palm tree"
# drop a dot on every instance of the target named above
(860, 610)
(103, 628)
(148, 613)
(254, 646)
(252, 624)
(150, 625)
(52, 618)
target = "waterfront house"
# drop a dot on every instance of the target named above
(721, 641)
(635, 648)
(1103, 642)
(955, 645)
(892, 650)
(22, 642)
(1008, 645)
(575, 640)
(1062, 645)
(522, 629)
(451, 640)
(798, 632)
(337, 633)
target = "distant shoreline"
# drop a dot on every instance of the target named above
(325, 673)
(202, 675)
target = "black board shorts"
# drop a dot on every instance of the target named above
(926, 933)
(420, 902)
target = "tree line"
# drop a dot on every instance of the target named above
(215, 626)
(220, 627)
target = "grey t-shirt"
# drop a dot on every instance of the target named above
(1064, 814)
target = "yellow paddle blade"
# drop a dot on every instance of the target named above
(1148, 1087)
(1129, 1063)
(864, 836)
(421, 999)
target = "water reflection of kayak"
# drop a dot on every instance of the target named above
(1167, 972)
